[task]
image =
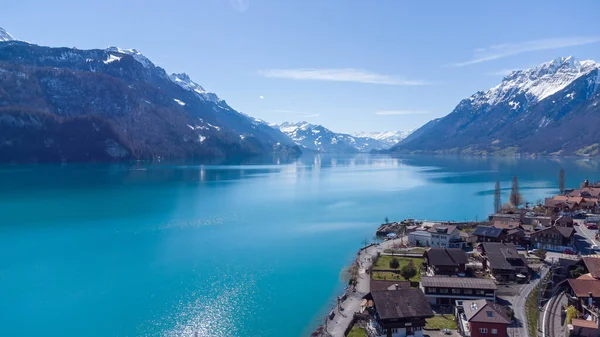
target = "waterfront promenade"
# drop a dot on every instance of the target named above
(343, 317)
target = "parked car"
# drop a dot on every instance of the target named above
(590, 225)
(569, 251)
(520, 247)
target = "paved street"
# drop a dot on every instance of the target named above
(585, 239)
(519, 327)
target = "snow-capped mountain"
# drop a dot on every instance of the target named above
(552, 108)
(389, 137)
(68, 104)
(318, 138)
(5, 36)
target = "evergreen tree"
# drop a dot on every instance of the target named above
(561, 180)
(497, 202)
(515, 196)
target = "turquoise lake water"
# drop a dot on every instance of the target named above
(229, 250)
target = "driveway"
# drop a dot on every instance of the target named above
(519, 327)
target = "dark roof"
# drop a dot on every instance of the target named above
(506, 224)
(442, 228)
(403, 303)
(564, 218)
(488, 231)
(567, 232)
(517, 231)
(582, 288)
(458, 282)
(503, 256)
(593, 265)
(377, 285)
(446, 256)
(484, 311)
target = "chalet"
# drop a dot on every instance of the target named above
(444, 235)
(564, 221)
(479, 318)
(517, 236)
(445, 261)
(585, 290)
(489, 234)
(446, 290)
(503, 261)
(400, 313)
(555, 238)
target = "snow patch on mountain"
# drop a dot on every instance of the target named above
(136, 55)
(5, 36)
(111, 58)
(389, 137)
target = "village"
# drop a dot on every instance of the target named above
(526, 270)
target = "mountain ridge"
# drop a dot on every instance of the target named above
(543, 110)
(124, 107)
(318, 138)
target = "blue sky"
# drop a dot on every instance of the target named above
(349, 65)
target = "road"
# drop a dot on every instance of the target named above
(585, 239)
(519, 327)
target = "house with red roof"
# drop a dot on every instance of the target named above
(481, 318)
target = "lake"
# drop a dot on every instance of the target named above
(252, 249)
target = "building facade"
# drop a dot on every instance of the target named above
(446, 290)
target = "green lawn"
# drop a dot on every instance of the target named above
(384, 263)
(357, 332)
(441, 322)
(532, 312)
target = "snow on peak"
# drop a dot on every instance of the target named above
(385, 135)
(184, 81)
(537, 83)
(135, 53)
(5, 36)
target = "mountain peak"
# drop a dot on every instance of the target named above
(5, 36)
(135, 53)
(536, 83)
(184, 81)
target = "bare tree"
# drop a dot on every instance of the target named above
(561, 180)
(515, 197)
(497, 202)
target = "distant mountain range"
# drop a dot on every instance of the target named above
(66, 104)
(320, 139)
(552, 109)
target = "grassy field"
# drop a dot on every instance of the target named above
(532, 312)
(357, 332)
(441, 322)
(384, 263)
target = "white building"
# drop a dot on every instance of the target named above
(443, 235)
(419, 238)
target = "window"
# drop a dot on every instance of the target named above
(455, 291)
(483, 330)
(443, 290)
(467, 291)
(432, 290)
(480, 292)
(494, 331)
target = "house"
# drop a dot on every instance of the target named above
(399, 313)
(555, 238)
(503, 261)
(468, 238)
(479, 318)
(585, 290)
(517, 236)
(445, 261)
(506, 224)
(564, 221)
(420, 238)
(377, 285)
(583, 328)
(446, 290)
(443, 235)
(489, 234)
